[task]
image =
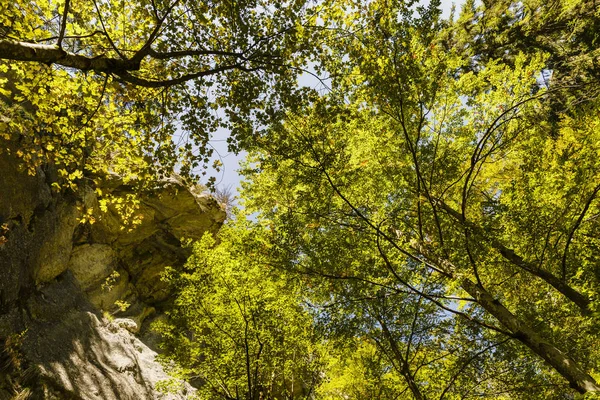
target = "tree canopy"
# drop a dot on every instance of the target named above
(143, 85)
(427, 228)
(237, 327)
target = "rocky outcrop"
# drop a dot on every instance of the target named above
(64, 284)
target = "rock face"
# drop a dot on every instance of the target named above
(60, 279)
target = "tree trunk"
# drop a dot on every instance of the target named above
(404, 367)
(562, 363)
(579, 299)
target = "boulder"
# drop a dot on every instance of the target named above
(54, 252)
(81, 355)
(92, 264)
(114, 288)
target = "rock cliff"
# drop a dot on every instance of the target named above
(61, 334)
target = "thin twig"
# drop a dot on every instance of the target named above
(106, 32)
(63, 24)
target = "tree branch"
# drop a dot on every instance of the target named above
(63, 24)
(434, 301)
(127, 77)
(106, 32)
(48, 54)
(87, 35)
(191, 53)
(572, 232)
(121, 68)
(581, 300)
(466, 364)
(141, 53)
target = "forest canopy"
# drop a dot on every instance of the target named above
(426, 227)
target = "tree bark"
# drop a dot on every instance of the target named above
(579, 299)
(119, 67)
(561, 362)
(50, 54)
(404, 367)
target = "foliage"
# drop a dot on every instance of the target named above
(238, 328)
(427, 229)
(17, 378)
(138, 88)
(361, 373)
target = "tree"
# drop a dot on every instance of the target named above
(237, 327)
(566, 31)
(141, 86)
(421, 165)
(440, 204)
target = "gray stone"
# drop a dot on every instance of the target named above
(92, 264)
(123, 323)
(56, 248)
(87, 356)
(53, 282)
(118, 287)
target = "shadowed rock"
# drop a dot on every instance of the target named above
(57, 277)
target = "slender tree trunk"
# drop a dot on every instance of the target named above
(561, 362)
(403, 363)
(579, 299)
